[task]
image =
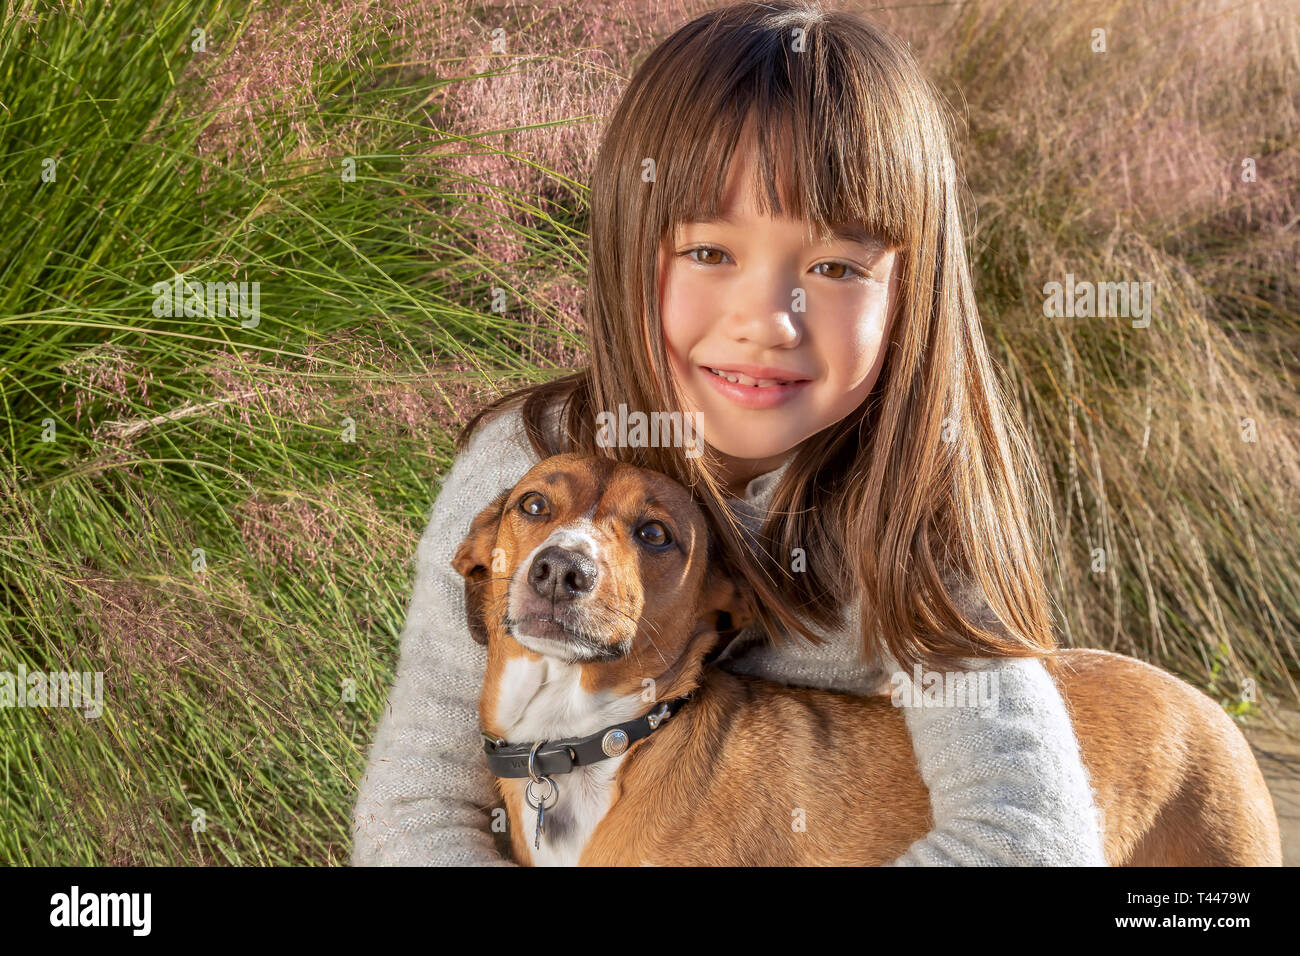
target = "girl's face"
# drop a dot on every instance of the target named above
(751, 294)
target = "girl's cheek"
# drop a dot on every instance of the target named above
(680, 311)
(846, 329)
(871, 328)
(679, 351)
(872, 334)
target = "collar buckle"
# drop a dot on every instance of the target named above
(659, 716)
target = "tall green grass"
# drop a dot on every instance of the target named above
(227, 689)
(224, 687)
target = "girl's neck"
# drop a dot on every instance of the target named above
(739, 472)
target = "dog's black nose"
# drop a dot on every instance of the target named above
(561, 574)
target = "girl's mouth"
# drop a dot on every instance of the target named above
(751, 392)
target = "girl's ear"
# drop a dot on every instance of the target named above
(473, 561)
(728, 603)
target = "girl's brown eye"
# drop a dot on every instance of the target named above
(708, 251)
(847, 270)
(534, 504)
(654, 534)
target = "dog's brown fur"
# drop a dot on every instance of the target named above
(725, 781)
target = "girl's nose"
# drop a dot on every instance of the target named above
(770, 321)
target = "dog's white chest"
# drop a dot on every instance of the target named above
(544, 700)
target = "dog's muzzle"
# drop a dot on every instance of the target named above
(555, 606)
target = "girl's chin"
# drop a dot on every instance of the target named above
(772, 450)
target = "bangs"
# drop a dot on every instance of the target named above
(834, 146)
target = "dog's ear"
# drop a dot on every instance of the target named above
(473, 561)
(728, 602)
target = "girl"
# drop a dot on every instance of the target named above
(776, 248)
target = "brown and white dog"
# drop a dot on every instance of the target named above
(591, 585)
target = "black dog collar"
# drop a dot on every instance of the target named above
(560, 756)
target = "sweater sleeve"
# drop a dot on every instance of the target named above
(1007, 784)
(426, 791)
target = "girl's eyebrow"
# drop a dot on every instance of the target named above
(848, 232)
(853, 232)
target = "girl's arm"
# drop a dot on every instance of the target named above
(426, 789)
(1007, 784)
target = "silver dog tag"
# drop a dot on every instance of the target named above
(540, 805)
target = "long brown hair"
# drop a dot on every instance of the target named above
(924, 502)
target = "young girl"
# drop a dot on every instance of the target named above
(776, 247)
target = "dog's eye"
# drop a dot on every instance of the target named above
(654, 534)
(534, 504)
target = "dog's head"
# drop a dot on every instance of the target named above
(601, 564)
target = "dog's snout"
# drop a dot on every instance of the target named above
(562, 574)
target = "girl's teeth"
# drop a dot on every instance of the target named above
(738, 379)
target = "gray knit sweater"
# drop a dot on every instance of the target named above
(1006, 782)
